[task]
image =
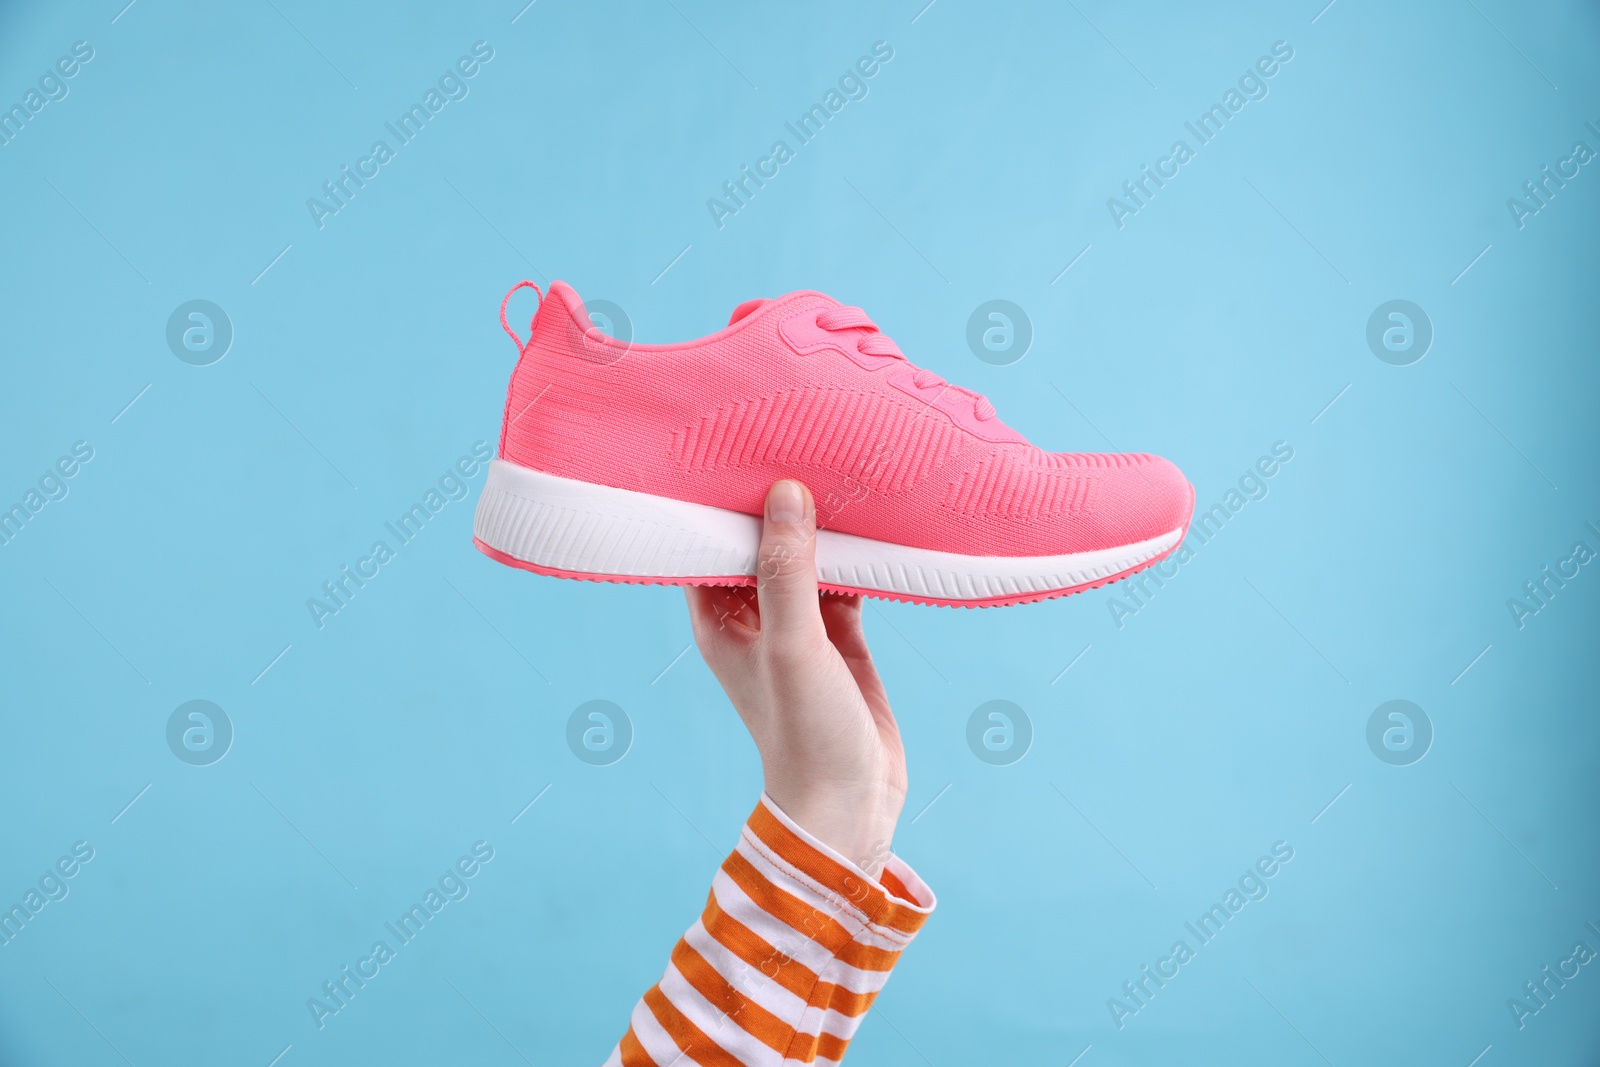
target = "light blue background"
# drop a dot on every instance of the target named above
(1224, 717)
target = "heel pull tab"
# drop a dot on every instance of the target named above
(506, 325)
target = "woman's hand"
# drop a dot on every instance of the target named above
(796, 666)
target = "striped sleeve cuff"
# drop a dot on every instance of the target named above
(793, 946)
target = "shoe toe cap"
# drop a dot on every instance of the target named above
(1140, 497)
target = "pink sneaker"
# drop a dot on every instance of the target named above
(649, 463)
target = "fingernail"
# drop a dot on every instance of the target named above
(786, 503)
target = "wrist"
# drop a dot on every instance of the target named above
(857, 823)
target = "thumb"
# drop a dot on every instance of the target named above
(786, 564)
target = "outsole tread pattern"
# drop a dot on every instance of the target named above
(742, 580)
(586, 532)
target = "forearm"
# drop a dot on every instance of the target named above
(793, 947)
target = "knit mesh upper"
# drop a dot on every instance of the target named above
(715, 421)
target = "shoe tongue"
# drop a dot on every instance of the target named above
(746, 308)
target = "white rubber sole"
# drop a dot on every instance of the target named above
(581, 530)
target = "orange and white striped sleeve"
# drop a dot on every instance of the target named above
(793, 946)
